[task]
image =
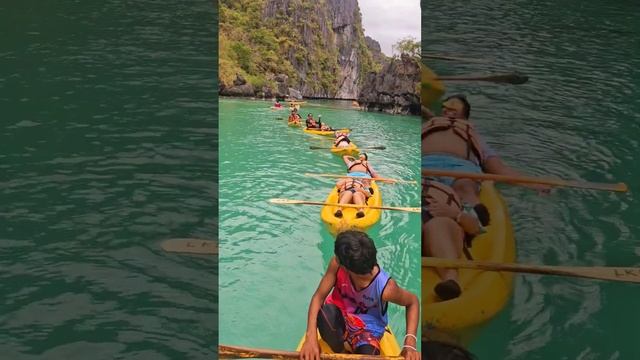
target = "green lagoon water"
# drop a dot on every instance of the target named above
(578, 118)
(108, 146)
(273, 256)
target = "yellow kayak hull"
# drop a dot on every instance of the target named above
(352, 149)
(484, 293)
(431, 89)
(292, 124)
(388, 344)
(325, 133)
(348, 221)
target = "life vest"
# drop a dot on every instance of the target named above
(342, 138)
(358, 162)
(462, 128)
(432, 190)
(366, 303)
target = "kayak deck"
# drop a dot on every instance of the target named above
(352, 149)
(388, 344)
(484, 293)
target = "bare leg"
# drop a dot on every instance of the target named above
(359, 199)
(443, 238)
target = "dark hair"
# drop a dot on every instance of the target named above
(465, 102)
(355, 251)
(366, 157)
(437, 350)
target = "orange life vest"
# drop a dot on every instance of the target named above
(429, 189)
(462, 128)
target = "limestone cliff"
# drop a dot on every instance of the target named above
(394, 89)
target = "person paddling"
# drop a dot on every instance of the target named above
(349, 307)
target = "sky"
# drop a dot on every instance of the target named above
(388, 21)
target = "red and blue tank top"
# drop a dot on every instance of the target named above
(367, 303)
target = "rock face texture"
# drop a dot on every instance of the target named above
(394, 89)
(307, 48)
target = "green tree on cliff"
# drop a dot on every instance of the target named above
(409, 46)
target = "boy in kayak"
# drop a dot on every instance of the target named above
(355, 312)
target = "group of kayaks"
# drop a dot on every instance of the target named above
(389, 344)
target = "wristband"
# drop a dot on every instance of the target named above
(413, 336)
(409, 347)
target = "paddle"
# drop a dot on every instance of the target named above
(513, 78)
(624, 274)
(620, 187)
(361, 177)
(235, 352)
(361, 148)
(454, 58)
(190, 246)
(306, 202)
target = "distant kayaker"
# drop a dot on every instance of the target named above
(351, 301)
(359, 167)
(447, 227)
(311, 123)
(294, 117)
(322, 126)
(353, 191)
(341, 140)
(277, 104)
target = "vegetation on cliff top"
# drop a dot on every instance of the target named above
(298, 42)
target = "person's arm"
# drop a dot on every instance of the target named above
(397, 295)
(310, 349)
(374, 174)
(348, 159)
(493, 164)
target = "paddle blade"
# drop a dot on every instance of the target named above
(190, 246)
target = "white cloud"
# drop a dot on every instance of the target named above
(388, 21)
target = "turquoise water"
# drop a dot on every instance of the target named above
(273, 256)
(577, 118)
(108, 147)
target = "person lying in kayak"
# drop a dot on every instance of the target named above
(450, 142)
(324, 127)
(353, 191)
(360, 167)
(341, 140)
(447, 227)
(351, 301)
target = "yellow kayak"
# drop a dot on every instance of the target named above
(293, 124)
(432, 89)
(348, 221)
(352, 149)
(325, 132)
(484, 293)
(388, 344)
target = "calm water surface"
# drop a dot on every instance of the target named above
(108, 147)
